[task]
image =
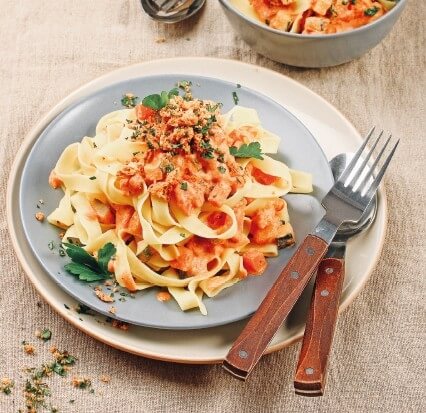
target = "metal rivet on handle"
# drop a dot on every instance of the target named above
(310, 251)
(324, 293)
(329, 270)
(309, 371)
(243, 354)
(294, 275)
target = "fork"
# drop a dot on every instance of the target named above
(345, 202)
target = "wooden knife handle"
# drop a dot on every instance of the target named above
(281, 298)
(311, 369)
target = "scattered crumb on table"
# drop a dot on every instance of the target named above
(105, 378)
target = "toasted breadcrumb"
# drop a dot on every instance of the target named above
(81, 382)
(108, 283)
(103, 296)
(39, 216)
(160, 40)
(6, 385)
(105, 378)
(29, 348)
(61, 235)
(163, 296)
(121, 325)
(112, 310)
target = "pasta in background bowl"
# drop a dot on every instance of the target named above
(315, 16)
(151, 232)
(313, 33)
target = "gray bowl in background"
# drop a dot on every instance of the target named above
(311, 50)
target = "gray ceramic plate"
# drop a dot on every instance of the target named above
(298, 149)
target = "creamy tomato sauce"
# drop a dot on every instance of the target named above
(315, 16)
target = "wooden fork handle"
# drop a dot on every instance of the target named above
(281, 298)
(311, 369)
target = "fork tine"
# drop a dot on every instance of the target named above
(360, 170)
(354, 161)
(373, 187)
(366, 178)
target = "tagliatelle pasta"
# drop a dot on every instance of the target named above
(315, 16)
(186, 195)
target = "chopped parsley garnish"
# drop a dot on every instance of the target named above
(6, 385)
(235, 97)
(208, 149)
(221, 157)
(84, 309)
(35, 394)
(92, 178)
(184, 186)
(205, 129)
(182, 235)
(82, 383)
(61, 252)
(371, 11)
(213, 108)
(221, 169)
(135, 134)
(184, 84)
(46, 334)
(85, 266)
(129, 100)
(333, 11)
(252, 150)
(238, 86)
(150, 145)
(158, 102)
(51, 245)
(168, 168)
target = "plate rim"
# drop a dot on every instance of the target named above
(67, 100)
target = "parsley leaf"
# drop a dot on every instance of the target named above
(174, 92)
(158, 102)
(58, 369)
(371, 11)
(83, 272)
(85, 266)
(81, 256)
(153, 101)
(252, 150)
(104, 256)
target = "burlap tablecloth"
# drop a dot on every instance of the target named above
(48, 48)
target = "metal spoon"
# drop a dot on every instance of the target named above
(312, 365)
(348, 230)
(171, 11)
